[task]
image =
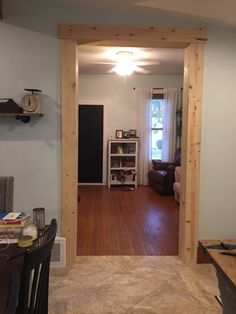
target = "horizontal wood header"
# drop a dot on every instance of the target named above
(126, 35)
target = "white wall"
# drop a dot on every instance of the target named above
(31, 152)
(218, 172)
(119, 94)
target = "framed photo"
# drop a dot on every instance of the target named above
(126, 134)
(119, 133)
(133, 133)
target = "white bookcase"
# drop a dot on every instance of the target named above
(122, 162)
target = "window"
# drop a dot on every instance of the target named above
(157, 126)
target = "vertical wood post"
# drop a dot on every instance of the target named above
(190, 161)
(69, 102)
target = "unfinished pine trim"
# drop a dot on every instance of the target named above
(150, 35)
(69, 102)
(190, 160)
(193, 40)
(134, 43)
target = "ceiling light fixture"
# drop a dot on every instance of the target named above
(125, 66)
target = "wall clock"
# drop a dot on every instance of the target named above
(31, 102)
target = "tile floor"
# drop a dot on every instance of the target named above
(133, 285)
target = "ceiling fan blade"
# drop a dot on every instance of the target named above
(111, 70)
(147, 62)
(141, 70)
(98, 62)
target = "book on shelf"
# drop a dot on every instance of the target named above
(119, 149)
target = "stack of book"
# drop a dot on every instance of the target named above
(11, 224)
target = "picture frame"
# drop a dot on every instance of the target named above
(119, 133)
(126, 134)
(133, 133)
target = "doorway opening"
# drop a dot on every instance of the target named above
(125, 219)
(192, 40)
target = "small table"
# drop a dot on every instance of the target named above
(226, 271)
(10, 250)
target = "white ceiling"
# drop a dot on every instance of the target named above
(168, 61)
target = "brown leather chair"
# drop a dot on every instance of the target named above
(161, 177)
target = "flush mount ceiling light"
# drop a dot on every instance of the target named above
(125, 62)
(125, 65)
(124, 56)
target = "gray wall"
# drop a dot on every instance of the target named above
(218, 172)
(217, 197)
(31, 152)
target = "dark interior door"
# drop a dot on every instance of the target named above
(90, 143)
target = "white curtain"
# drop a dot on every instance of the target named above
(173, 98)
(143, 98)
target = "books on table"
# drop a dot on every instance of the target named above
(11, 226)
(16, 220)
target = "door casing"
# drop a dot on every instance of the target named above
(192, 40)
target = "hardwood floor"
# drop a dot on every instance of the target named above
(117, 222)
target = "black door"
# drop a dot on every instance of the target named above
(90, 143)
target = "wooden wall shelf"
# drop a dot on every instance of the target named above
(24, 117)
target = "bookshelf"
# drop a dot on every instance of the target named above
(122, 162)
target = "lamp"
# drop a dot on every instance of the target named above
(125, 66)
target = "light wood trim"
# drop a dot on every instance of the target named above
(190, 160)
(89, 33)
(134, 43)
(191, 121)
(69, 101)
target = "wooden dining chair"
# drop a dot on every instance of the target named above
(33, 295)
(13, 293)
(10, 274)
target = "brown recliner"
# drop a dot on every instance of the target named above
(161, 177)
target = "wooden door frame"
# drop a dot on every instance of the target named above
(189, 39)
